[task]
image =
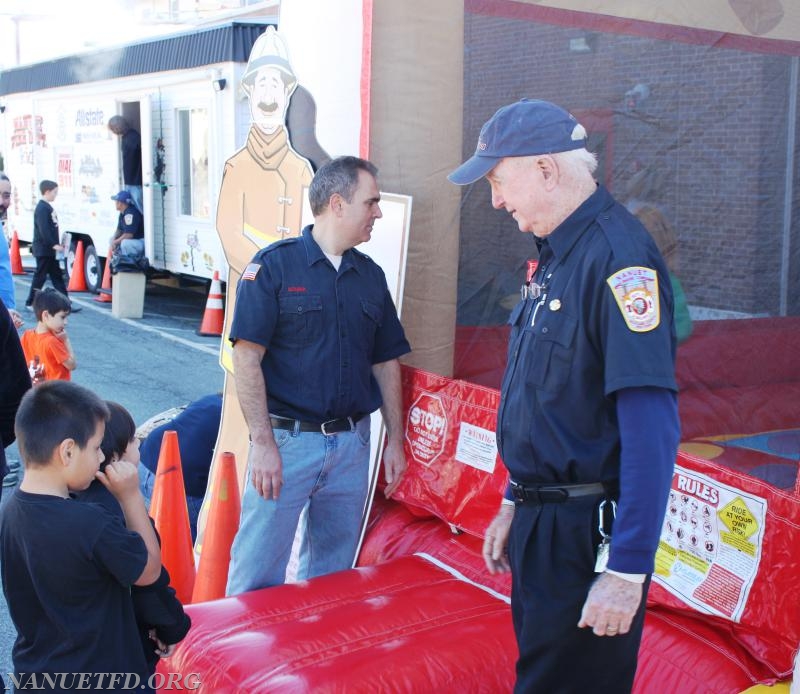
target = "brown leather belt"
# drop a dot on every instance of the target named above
(329, 428)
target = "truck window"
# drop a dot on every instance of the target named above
(193, 147)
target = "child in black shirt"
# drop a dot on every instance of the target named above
(68, 567)
(46, 243)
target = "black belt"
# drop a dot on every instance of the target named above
(555, 494)
(332, 426)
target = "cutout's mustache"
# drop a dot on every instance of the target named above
(268, 107)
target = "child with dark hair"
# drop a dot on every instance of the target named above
(67, 568)
(159, 614)
(47, 348)
(46, 243)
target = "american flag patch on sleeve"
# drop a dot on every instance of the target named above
(251, 271)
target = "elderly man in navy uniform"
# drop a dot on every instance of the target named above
(316, 341)
(128, 240)
(588, 425)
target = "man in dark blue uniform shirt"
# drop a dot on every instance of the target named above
(588, 424)
(128, 240)
(316, 341)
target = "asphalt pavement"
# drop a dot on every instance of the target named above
(148, 365)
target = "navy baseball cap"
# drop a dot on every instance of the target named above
(525, 128)
(123, 196)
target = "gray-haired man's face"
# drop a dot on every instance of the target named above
(5, 194)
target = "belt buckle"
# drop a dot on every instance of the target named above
(325, 432)
(518, 491)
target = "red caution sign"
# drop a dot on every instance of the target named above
(426, 428)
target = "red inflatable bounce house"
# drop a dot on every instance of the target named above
(420, 613)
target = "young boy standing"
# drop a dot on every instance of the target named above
(46, 243)
(68, 567)
(47, 348)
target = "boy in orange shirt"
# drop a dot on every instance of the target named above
(48, 343)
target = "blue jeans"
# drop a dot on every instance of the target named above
(146, 481)
(329, 475)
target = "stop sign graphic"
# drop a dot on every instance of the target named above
(426, 428)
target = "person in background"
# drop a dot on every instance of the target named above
(14, 383)
(159, 614)
(196, 427)
(667, 241)
(588, 420)
(131, 145)
(46, 244)
(47, 347)
(6, 276)
(316, 342)
(127, 243)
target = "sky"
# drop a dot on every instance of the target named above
(51, 28)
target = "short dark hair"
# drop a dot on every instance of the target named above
(53, 412)
(47, 185)
(340, 176)
(50, 300)
(120, 431)
(118, 125)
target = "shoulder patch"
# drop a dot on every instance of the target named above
(129, 218)
(251, 271)
(636, 292)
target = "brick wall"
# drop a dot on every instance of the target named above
(708, 146)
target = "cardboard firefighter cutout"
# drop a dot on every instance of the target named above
(260, 202)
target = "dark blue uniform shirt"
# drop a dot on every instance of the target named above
(572, 349)
(131, 222)
(323, 329)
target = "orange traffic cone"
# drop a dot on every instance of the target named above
(16, 258)
(171, 515)
(104, 295)
(221, 527)
(77, 280)
(214, 315)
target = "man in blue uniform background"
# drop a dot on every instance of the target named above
(588, 425)
(128, 240)
(316, 341)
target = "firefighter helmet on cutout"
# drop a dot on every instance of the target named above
(270, 50)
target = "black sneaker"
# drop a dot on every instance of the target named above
(75, 309)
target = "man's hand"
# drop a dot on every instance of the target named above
(495, 543)
(394, 466)
(266, 469)
(121, 478)
(611, 605)
(16, 318)
(162, 649)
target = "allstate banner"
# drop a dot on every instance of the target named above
(454, 471)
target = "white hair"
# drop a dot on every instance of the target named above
(577, 161)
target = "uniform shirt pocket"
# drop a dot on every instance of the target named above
(553, 348)
(300, 322)
(372, 312)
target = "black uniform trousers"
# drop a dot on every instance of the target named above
(46, 265)
(552, 550)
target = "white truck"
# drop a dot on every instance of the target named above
(180, 92)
